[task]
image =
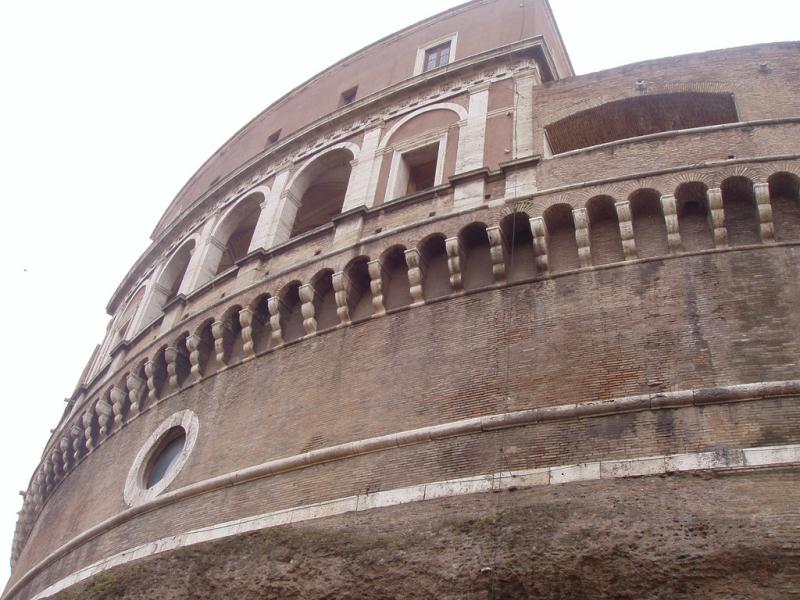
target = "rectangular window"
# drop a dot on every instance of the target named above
(421, 164)
(415, 170)
(348, 96)
(438, 56)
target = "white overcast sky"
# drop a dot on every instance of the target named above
(107, 108)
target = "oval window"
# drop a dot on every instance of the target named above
(165, 456)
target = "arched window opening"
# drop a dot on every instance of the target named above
(262, 331)
(396, 287)
(232, 345)
(236, 231)
(694, 221)
(207, 358)
(605, 240)
(784, 197)
(649, 226)
(741, 211)
(562, 247)
(359, 300)
(520, 260)
(321, 190)
(477, 267)
(292, 317)
(324, 300)
(435, 275)
(173, 274)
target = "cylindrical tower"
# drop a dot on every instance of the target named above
(447, 321)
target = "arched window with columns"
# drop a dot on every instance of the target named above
(234, 233)
(318, 190)
(167, 283)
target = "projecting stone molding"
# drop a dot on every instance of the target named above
(730, 460)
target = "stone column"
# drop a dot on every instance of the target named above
(246, 321)
(376, 275)
(454, 259)
(626, 229)
(274, 305)
(342, 287)
(222, 337)
(415, 264)
(717, 217)
(766, 228)
(308, 296)
(118, 397)
(539, 232)
(581, 220)
(669, 208)
(497, 253)
(193, 343)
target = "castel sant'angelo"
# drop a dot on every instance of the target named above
(448, 321)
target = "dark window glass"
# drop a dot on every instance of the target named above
(175, 439)
(438, 56)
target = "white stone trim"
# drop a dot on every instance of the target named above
(730, 459)
(456, 108)
(135, 492)
(472, 135)
(419, 62)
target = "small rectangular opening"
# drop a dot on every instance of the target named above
(274, 137)
(348, 96)
(438, 56)
(421, 165)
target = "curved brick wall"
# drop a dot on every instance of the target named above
(576, 316)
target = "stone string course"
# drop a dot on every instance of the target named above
(727, 460)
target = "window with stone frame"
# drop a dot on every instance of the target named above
(437, 56)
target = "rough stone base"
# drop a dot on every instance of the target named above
(710, 536)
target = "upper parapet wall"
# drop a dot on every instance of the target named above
(480, 25)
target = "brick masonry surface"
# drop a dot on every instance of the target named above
(699, 321)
